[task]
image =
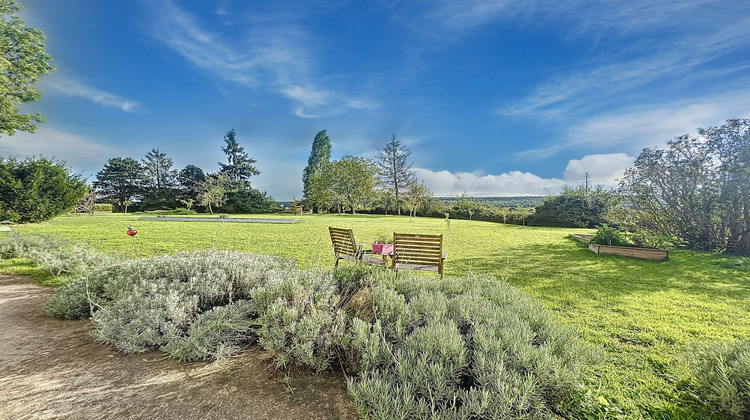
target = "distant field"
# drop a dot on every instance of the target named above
(643, 314)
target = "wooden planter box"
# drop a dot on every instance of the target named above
(623, 251)
(626, 251)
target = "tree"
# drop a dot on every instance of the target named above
(121, 180)
(162, 179)
(415, 195)
(158, 168)
(320, 193)
(576, 207)
(213, 191)
(697, 190)
(353, 180)
(395, 169)
(35, 190)
(239, 166)
(189, 180)
(22, 61)
(467, 205)
(320, 156)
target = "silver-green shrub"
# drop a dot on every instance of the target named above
(463, 348)
(722, 376)
(53, 254)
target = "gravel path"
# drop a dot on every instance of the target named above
(50, 368)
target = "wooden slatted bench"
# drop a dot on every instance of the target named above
(418, 252)
(346, 248)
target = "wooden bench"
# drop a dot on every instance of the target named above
(346, 248)
(418, 252)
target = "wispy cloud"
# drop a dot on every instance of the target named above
(70, 87)
(631, 129)
(273, 55)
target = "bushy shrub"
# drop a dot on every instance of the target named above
(422, 348)
(468, 348)
(34, 190)
(579, 207)
(105, 207)
(647, 239)
(607, 235)
(722, 375)
(178, 212)
(53, 254)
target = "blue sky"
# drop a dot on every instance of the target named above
(494, 98)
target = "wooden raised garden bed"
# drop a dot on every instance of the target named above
(624, 251)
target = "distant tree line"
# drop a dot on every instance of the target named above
(152, 183)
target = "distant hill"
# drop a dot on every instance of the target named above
(525, 201)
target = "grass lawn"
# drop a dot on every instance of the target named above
(643, 314)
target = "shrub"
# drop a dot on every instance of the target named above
(53, 254)
(34, 190)
(468, 348)
(179, 212)
(103, 207)
(647, 239)
(606, 235)
(722, 375)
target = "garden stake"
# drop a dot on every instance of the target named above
(132, 232)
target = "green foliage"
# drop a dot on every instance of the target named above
(722, 376)
(396, 173)
(22, 61)
(607, 235)
(698, 190)
(463, 348)
(121, 180)
(647, 239)
(103, 207)
(579, 207)
(54, 255)
(353, 180)
(35, 190)
(239, 166)
(177, 212)
(320, 156)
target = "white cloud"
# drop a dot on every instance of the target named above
(79, 152)
(605, 169)
(75, 88)
(514, 183)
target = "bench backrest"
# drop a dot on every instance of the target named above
(343, 242)
(417, 250)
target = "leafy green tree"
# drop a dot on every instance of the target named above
(697, 190)
(576, 207)
(466, 205)
(395, 169)
(416, 195)
(353, 180)
(121, 180)
(320, 156)
(22, 61)
(213, 191)
(320, 191)
(239, 166)
(34, 190)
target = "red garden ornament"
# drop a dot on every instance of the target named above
(131, 231)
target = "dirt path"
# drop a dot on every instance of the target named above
(51, 368)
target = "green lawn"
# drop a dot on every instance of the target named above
(644, 314)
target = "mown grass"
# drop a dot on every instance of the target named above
(645, 315)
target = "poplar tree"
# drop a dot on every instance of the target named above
(320, 156)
